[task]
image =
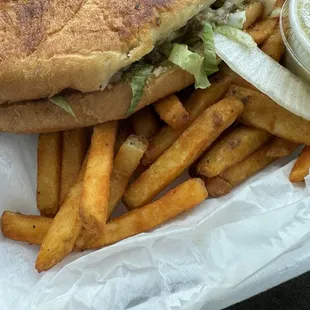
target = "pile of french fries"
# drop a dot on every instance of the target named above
(222, 135)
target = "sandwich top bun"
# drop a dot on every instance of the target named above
(51, 45)
(91, 108)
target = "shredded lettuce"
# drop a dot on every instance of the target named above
(209, 61)
(236, 35)
(191, 62)
(199, 65)
(137, 79)
(236, 20)
(62, 103)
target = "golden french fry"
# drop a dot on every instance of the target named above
(230, 150)
(223, 184)
(281, 147)
(65, 228)
(25, 228)
(191, 144)
(145, 122)
(125, 163)
(274, 45)
(96, 186)
(124, 131)
(48, 175)
(217, 186)
(262, 112)
(180, 199)
(200, 100)
(171, 111)
(252, 12)
(301, 167)
(75, 145)
(262, 30)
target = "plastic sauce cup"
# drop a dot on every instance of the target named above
(295, 30)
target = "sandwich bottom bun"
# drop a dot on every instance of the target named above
(90, 108)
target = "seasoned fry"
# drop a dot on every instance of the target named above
(274, 45)
(200, 100)
(96, 186)
(217, 186)
(180, 199)
(252, 13)
(125, 163)
(171, 111)
(223, 184)
(124, 131)
(262, 30)
(301, 167)
(233, 148)
(263, 113)
(75, 145)
(281, 148)
(65, 228)
(191, 144)
(48, 175)
(145, 122)
(25, 228)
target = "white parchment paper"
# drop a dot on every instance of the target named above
(223, 251)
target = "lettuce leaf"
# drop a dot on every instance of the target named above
(62, 103)
(236, 35)
(137, 79)
(191, 62)
(236, 20)
(209, 62)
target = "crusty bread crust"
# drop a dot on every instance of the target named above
(91, 108)
(51, 45)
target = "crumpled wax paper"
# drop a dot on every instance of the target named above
(221, 252)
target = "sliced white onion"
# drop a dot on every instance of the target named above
(268, 6)
(267, 75)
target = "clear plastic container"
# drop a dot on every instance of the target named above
(295, 30)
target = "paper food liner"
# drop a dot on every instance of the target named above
(222, 251)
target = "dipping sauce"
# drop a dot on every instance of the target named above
(295, 29)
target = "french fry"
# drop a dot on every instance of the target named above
(145, 122)
(274, 45)
(191, 144)
(230, 150)
(25, 228)
(252, 13)
(64, 229)
(180, 199)
(75, 145)
(125, 163)
(96, 186)
(200, 100)
(171, 111)
(262, 112)
(281, 148)
(262, 30)
(226, 181)
(301, 167)
(48, 175)
(217, 186)
(124, 131)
